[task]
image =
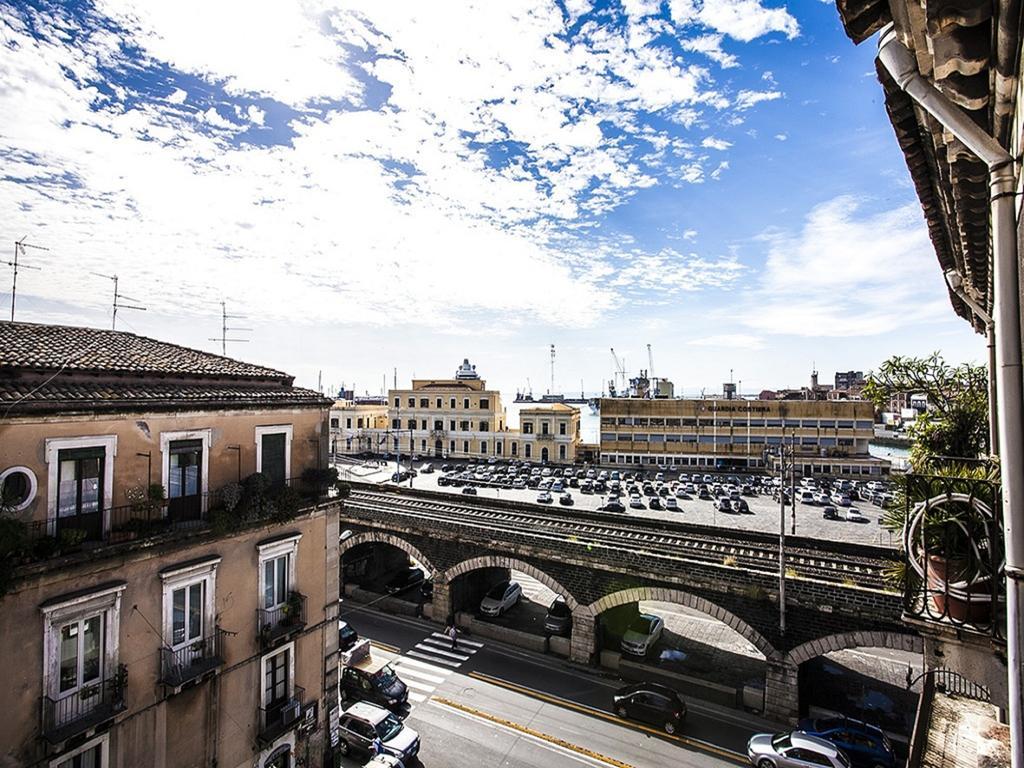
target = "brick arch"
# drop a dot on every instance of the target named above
(900, 641)
(501, 561)
(377, 537)
(668, 595)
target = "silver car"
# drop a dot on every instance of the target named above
(500, 598)
(794, 749)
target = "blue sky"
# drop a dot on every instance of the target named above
(401, 185)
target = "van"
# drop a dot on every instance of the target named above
(368, 678)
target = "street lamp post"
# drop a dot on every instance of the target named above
(781, 455)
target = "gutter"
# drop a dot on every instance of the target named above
(902, 66)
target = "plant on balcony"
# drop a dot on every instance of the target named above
(317, 480)
(286, 501)
(292, 609)
(255, 502)
(13, 540)
(230, 496)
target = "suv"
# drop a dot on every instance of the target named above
(866, 745)
(642, 635)
(366, 729)
(652, 703)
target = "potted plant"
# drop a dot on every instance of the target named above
(292, 609)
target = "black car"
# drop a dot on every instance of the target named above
(406, 580)
(469, 490)
(614, 506)
(655, 503)
(347, 637)
(651, 703)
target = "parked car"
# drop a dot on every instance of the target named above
(794, 749)
(405, 580)
(613, 506)
(347, 637)
(806, 497)
(565, 499)
(642, 635)
(655, 503)
(363, 724)
(501, 598)
(853, 515)
(469, 490)
(558, 619)
(723, 504)
(671, 504)
(365, 677)
(519, 483)
(544, 497)
(866, 745)
(740, 505)
(840, 499)
(384, 761)
(427, 469)
(652, 703)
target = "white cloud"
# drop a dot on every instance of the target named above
(747, 99)
(729, 340)
(781, 137)
(847, 273)
(711, 46)
(743, 20)
(178, 97)
(722, 168)
(710, 142)
(255, 114)
(670, 272)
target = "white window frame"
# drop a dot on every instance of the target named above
(103, 741)
(175, 578)
(166, 438)
(54, 445)
(278, 429)
(106, 600)
(272, 550)
(290, 649)
(33, 484)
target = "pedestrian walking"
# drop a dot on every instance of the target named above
(453, 633)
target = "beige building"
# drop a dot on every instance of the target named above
(161, 612)
(352, 423)
(460, 418)
(827, 436)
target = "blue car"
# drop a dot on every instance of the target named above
(866, 745)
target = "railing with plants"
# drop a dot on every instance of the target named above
(281, 620)
(180, 665)
(67, 716)
(952, 569)
(277, 718)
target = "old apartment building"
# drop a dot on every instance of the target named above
(455, 418)
(167, 569)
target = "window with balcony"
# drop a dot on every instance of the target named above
(281, 609)
(80, 488)
(82, 682)
(191, 639)
(274, 453)
(280, 698)
(185, 461)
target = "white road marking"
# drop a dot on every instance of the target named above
(419, 698)
(425, 648)
(462, 641)
(418, 655)
(415, 667)
(417, 684)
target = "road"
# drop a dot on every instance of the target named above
(764, 512)
(488, 704)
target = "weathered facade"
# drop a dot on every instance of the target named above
(166, 613)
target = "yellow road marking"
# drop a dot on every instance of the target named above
(696, 744)
(531, 732)
(385, 647)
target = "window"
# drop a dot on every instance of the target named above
(515, 449)
(424, 402)
(412, 402)
(185, 464)
(527, 427)
(335, 423)
(485, 403)
(465, 446)
(423, 444)
(451, 403)
(497, 449)
(411, 423)
(438, 425)
(95, 753)
(484, 426)
(561, 452)
(438, 403)
(396, 424)
(608, 437)
(451, 425)
(464, 426)
(483, 446)
(17, 487)
(465, 402)
(451, 446)
(277, 570)
(80, 650)
(397, 403)
(545, 427)
(528, 450)
(423, 424)
(188, 602)
(359, 425)
(274, 453)
(561, 427)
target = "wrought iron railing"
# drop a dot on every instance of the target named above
(952, 683)
(278, 718)
(68, 716)
(275, 624)
(953, 558)
(179, 666)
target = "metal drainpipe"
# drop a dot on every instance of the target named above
(902, 66)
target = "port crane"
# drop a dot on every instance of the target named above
(619, 375)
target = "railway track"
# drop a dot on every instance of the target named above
(721, 549)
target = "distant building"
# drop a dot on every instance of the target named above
(849, 380)
(456, 418)
(157, 612)
(828, 437)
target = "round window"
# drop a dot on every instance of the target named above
(17, 488)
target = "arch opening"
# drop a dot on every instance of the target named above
(382, 564)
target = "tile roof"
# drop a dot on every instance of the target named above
(36, 346)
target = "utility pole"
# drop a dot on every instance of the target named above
(20, 245)
(224, 330)
(117, 297)
(552, 390)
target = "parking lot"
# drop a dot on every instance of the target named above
(806, 520)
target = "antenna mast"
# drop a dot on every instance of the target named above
(223, 339)
(552, 390)
(20, 245)
(117, 298)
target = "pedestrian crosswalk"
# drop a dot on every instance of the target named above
(428, 665)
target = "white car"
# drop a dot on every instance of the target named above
(671, 504)
(642, 635)
(840, 499)
(822, 498)
(500, 598)
(853, 515)
(806, 497)
(544, 497)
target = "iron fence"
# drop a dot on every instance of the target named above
(279, 717)
(67, 716)
(274, 624)
(179, 666)
(953, 555)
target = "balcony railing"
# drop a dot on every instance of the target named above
(180, 666)
(280, 717)
(276, 624)
(953, 550)
(72, 715)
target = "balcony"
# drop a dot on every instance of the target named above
(84, 710)
(953, 556)
(179, 668)
(545, 436)
(280, 717)
(275, 625)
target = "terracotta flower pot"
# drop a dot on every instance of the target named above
(953, 596)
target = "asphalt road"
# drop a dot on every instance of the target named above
(488, 704)
(764, 517)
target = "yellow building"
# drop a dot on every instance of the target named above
(353, 422)
(156, 610)
(829, 437)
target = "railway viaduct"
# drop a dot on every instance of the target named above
(599, 562)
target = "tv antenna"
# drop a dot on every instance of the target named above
(19, 247)
(223, 338)
(117, 299)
